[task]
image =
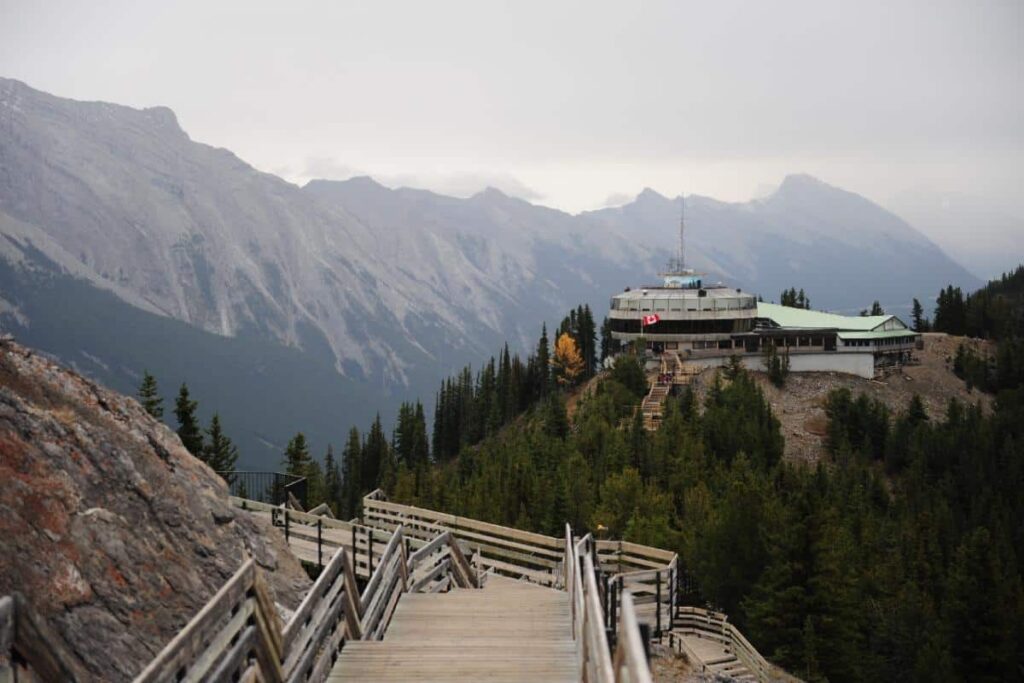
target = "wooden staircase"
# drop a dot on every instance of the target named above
(674, 371)
(653, 405)
(715, 647)
(528, 607)
(509, 631)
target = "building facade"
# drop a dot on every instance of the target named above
(706, 324)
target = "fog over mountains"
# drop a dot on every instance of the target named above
(128, 246)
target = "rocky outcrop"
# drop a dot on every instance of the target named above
(112, 531)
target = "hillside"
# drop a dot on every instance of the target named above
(800, 405)
(113, 532)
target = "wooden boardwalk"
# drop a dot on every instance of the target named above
(507, 631)
(712, 657)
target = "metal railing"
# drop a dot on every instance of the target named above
(266, 487)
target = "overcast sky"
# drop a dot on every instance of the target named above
(917, 105)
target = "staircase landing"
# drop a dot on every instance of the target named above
(507, 631)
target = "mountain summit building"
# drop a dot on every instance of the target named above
(705, 324)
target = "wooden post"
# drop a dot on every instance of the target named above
(657, 605)
(319, 543)
(286, 530)
(613, 620)
(672, 600)
(607, 602)
(369, 552)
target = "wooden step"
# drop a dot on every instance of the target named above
(509, 631)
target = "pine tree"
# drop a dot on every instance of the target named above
(296, 456)
(316, 491)
(219, 453)
(351, 475)
(332, 482)
(543, 372)
(189, 432)
(375, 452)
(419, 454)
(917, 313)
(608, 343)
(149, 396)
(876, 309)
(401, 442)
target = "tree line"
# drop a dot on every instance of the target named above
(470, 406)
(996, 313)
(211, 445)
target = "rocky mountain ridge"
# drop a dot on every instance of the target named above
(113, 532)
(362, 295)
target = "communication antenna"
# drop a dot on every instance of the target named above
(682, 232)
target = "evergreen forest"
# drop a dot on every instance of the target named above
(897, 557)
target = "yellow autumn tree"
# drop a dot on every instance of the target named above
(567, 362)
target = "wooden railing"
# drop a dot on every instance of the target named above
(612, 587)
(315, 538)
(511, 552)
(628, 661)
(649, 574)
(235, 636)
(715, 626)
(330, 614)
(599, 575)
(29, 649)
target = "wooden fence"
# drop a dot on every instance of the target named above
(715, 626)
(503, 550)
(236, 635)
(599, 664)
(29, 649)
(613, 586)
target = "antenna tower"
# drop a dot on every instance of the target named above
(682, 233)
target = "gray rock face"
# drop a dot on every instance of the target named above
(195, 233)
(113, 532)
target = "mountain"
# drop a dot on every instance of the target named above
(115, 535)
(844, 250)
(125, 245)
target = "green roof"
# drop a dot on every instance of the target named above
(879, 334)
(787, 316)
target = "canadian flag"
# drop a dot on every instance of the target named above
(649, 319)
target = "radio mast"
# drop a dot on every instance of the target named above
(680, 259)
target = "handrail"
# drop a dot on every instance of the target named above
(380, 594)
(24, 634)
(207, 648)
(237, 634)
(715, 625)
(629, 651)
(597, 663)
(328, 614)
(596, 656)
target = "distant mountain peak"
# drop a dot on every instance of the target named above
(649, 195)
(359, 182)
(795, 180)
(490, 192)
(164, 117)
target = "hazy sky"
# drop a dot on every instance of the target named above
(917, 105)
